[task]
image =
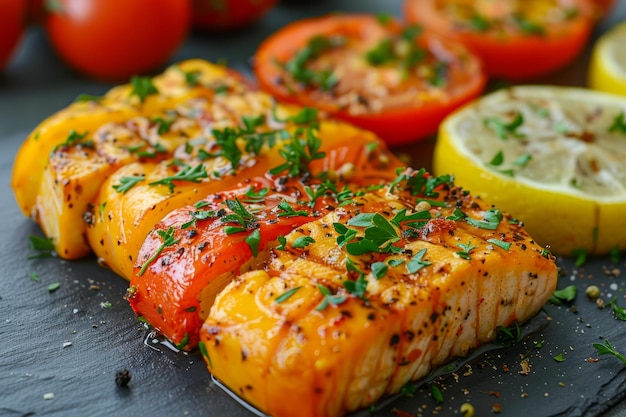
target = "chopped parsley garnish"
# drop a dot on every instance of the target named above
(168, 240)
(142, 87)
(529, 28)
(379, 235)
(126, 183)
(417, 262)
(163, 125)
(379, 269)
(87, 97)
(504, 130)
(491, 220)
(253, 240)
(329, 298)
(299, 153)
(302, 242)
(285, 210)
(187, 173)
(240, 216)
(74, 138)
(618, 312)
(580, 257)
(282, 241)
(54, 286)
(500, 243)
(619, 124)
(287, 294)
(183, 342)
(467, 248)
(480, 23)
(198, 215)
(608, 349)
(566, 294)
(44, 247)
(297, 65)
(358, 287)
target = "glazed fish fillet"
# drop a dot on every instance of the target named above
(196, 250)
(372, 295)
(100, 174)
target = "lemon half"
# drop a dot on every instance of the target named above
(553, 157)
(607, 68)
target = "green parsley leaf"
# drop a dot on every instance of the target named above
(126, 183)
(608, 349)
(287, 294)
(566, 294)
(53, 287)
(467, 249)
(619, 124)
(168, 240)
(253, 240)
(500, 243)
(560, 357)
(357, 287)
(504, 130)
(302, 242)
(417, 262)
(379, 269)
(187, 173)
(142, 87)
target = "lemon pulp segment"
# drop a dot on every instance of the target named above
(554, 157)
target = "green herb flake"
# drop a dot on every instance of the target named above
(580, 257)
(436, 393)
(87, 97)
(183, 342)
(357, 288)
(619, 124)
(560, 357)
(287, 294)
(54, 286)
(126, 183)
(608, 349)
(500, 243)
(502, 129)
(282, 241)
(618, 312)
(417, 262)
(35, 277)
(329, 298)
(379, 269)
(253, 240)
(566, 294)
(44, 247)
(205, 353)
(302, 242)
(467, 248)
(187, 173)
(142, 87)
(491, 220)
(168, 240)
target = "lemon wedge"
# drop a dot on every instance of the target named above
(607, 68)
(553, 157)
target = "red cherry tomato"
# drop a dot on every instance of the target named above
(376, 74)
(115, 39)
(516, 39)
(12, 18)
(228, 14)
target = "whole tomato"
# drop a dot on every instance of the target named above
(220, 15)
(115, 39)
(12, 21)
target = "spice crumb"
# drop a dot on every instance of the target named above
(66, 344)
(48, 396)
(122, 378)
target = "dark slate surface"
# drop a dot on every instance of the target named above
(36, 326)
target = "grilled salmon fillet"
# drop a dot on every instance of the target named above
(230, 232)
(373, 295)
(100, 174)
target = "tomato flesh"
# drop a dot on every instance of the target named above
(224, 15)
(116, 39)
(516, 39)
(12, 21)
(400, 89)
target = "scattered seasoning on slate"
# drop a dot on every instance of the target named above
(122, 378)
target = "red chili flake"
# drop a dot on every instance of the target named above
(495, 393)
(400, 413)
(592, 360)
(496, 408)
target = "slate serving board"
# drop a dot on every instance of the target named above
(69, 344)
